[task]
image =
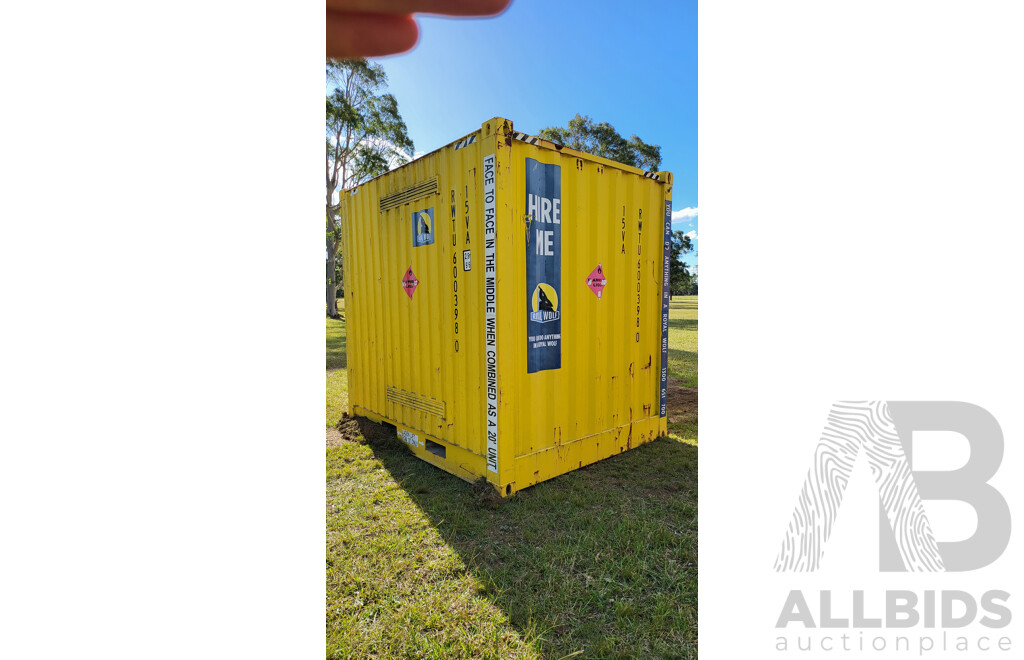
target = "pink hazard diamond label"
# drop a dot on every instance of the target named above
(409, 282)
(596, 281)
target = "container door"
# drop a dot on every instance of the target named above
(590, 303)
(414, 287)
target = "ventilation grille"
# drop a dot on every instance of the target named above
(406, 195)
(416, 401)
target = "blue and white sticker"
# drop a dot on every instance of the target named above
(423, 227)
(543, 266)
(666, 273)
(410, 438)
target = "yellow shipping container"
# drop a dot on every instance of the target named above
(507, 305)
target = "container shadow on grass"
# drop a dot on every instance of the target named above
(680, 354)
(683, 324)
(602, 560)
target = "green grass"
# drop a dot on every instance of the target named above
(682, 340)
(337, 376)
(597, 563)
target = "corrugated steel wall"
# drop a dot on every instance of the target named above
(610, 346)
(427, 346)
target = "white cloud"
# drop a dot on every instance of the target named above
(684, 215)
(692, 234)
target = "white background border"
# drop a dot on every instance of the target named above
(860, 196)
(161, 447)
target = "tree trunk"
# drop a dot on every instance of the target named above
(333, 245)
(332, 286)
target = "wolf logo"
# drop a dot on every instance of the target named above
(544, 304)
(423, 227)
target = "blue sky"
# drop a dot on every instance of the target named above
(631, 64)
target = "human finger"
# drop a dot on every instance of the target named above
(449, 7)
(369, 35)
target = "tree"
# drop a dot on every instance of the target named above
(365, 136)
(680, 281)
(601, 139)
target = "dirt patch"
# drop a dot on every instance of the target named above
(334, 438)
(362, 431)
(682, 403)
(485, 494)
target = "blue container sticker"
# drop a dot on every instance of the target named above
(423, 227)
(543, 266)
